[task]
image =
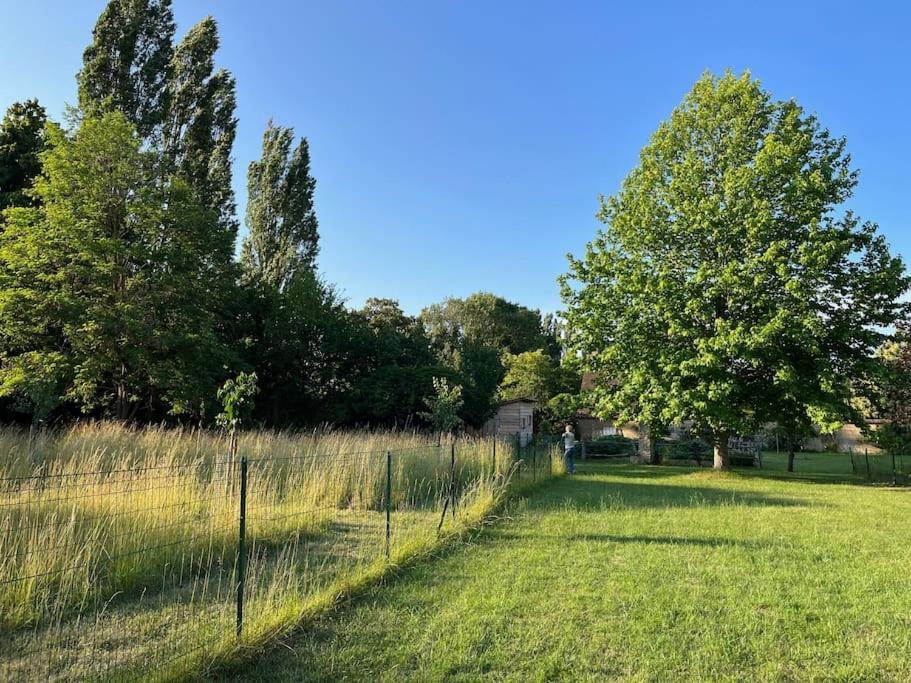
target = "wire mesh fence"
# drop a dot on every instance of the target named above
(140, 572)
(880, 466)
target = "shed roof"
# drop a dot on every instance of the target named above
(517, 400)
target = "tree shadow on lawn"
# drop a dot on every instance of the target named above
(705, 542)
(593, 494)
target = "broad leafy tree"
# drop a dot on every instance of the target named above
(728, 287)
(105, 291)
(22, 139)
(486, 319)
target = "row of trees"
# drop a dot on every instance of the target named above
(120, 293)
(730, 288)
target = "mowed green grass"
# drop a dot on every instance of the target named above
(647, 574)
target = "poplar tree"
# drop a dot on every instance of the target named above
(200, 125)
(283, 235)
(126, 67)
(728, 287)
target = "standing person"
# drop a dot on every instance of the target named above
(569, 447)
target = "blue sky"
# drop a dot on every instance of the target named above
(461, 146)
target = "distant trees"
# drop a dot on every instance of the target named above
(725, 288)
(892, 391)
(488, 320)
(22, 140)
(534, 374)
(472, 335)
(120, 294)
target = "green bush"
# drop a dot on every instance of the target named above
(685, 448)
(611, 445)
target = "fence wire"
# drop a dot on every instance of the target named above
(125, 573)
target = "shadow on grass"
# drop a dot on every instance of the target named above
(583, 492)
(669, 540)
(773, 472)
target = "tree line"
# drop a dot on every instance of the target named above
(120, 293)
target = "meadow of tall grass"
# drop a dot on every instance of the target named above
(119, 546)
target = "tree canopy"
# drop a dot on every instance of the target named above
(22, 140)
(104, 287)
(729, 287)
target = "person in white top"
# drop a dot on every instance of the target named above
(569, 448)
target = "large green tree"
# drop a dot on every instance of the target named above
(105, 289)
(727, 287)
(487, 319)
(536, 375)
(22, 140)
(199, 124)
(283, 237)
(397, 369)
(126, 67)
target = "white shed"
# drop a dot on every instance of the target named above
(516, 416)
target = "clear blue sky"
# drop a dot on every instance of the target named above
(461, 145)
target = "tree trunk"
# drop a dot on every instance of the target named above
(722, 461)
(646, 445)
(232, 447)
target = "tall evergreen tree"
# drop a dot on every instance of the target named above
(281, 219)
(22, 140)
(126, 67)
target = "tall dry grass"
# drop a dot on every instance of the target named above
(97, 519)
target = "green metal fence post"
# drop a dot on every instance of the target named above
(452, 477)
(894, 481)
(388, 503)
(853, 466)
(242, 547)
(534, 460)
(867, 458)
(494, 470)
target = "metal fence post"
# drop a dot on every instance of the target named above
(534, 460)
(494, 469)
(388, 503)
(452, 478)
(853, 466)
(894, 481)
(242, 546)
(867, 458)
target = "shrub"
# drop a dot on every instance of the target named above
(611, 445)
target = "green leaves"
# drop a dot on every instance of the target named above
(283, 230)
(236, 396)
(22, 140)
(108, 286)
(725, 288)
(443, 406)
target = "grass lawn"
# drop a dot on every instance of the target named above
(646, 573)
